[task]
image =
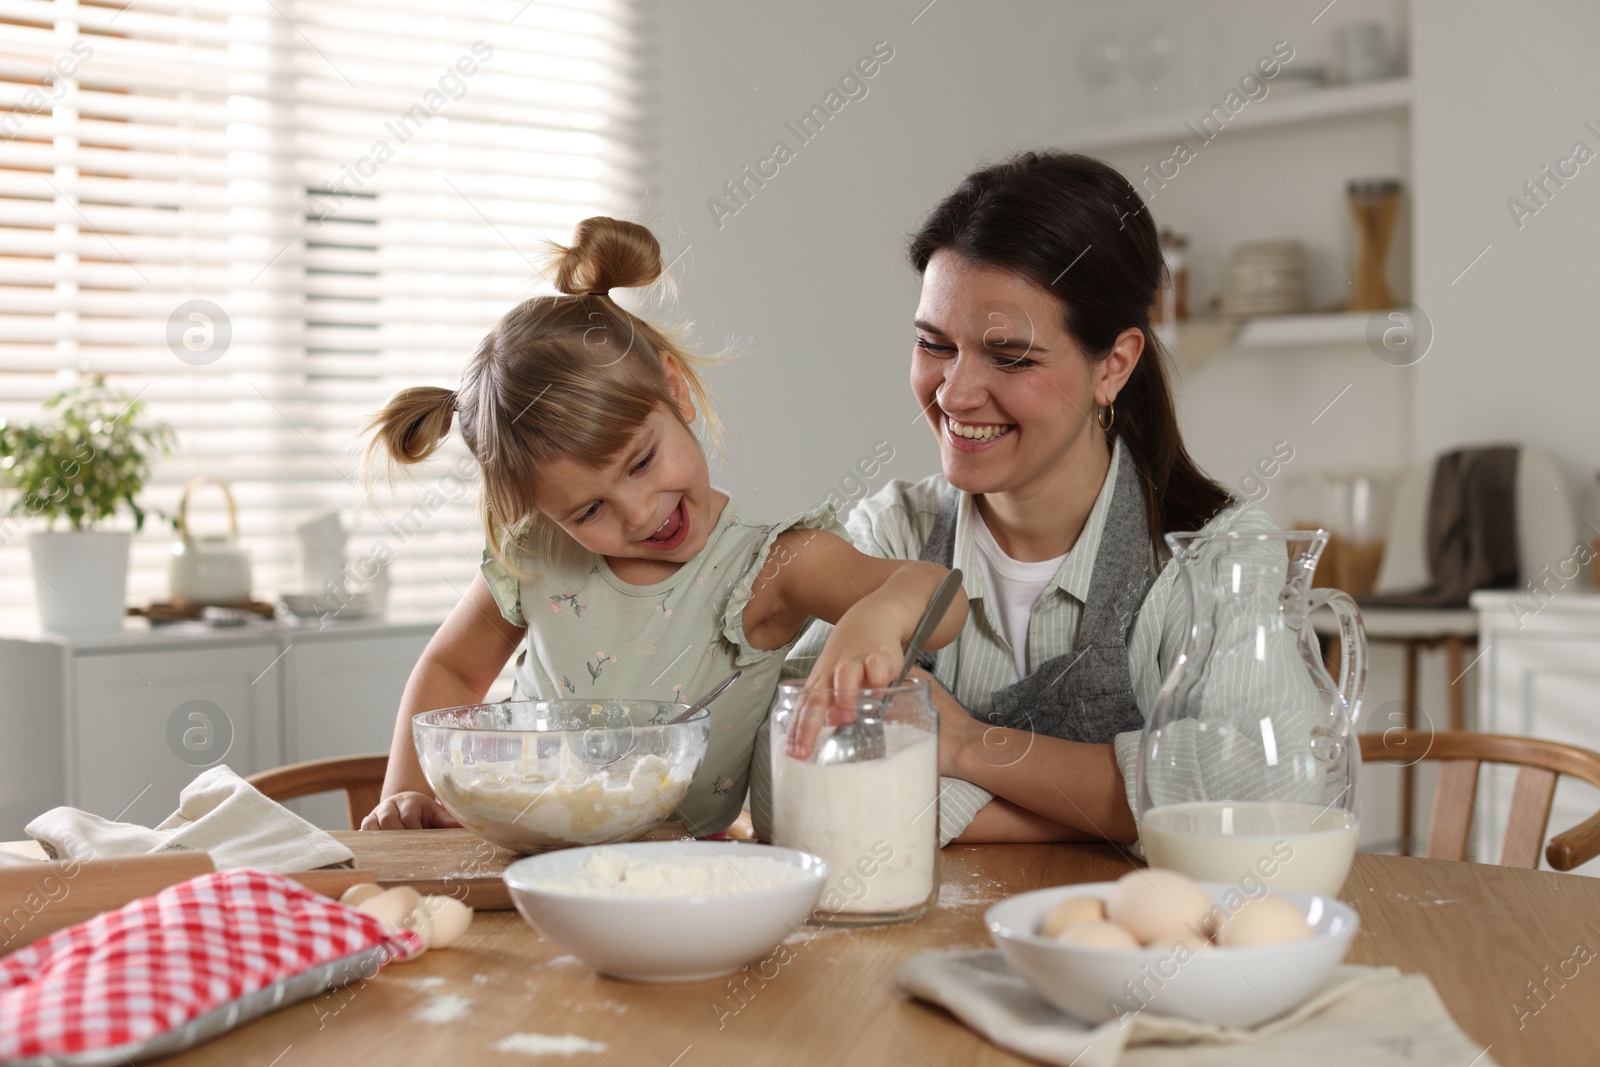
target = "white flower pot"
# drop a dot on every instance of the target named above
(79, 578)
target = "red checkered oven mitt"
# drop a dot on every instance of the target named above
(177, 969)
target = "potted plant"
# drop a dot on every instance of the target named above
(82, 465)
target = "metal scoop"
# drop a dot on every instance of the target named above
(862, 738)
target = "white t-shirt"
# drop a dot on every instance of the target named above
(1014, 588)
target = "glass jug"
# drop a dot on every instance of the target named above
(1248, 763)
(873, 820)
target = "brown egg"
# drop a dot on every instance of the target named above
(450, 919)
(361, 892)
(1153, 903)
(1267, 921)
(392, 905)
(1173, 940)
(1070, 912)
(420, 922)
(1098, 933)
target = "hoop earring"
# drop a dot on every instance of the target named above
(1106, 417)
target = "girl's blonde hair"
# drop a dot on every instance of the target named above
(573, 375)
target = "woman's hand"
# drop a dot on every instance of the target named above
(409, 811)
(957, 728)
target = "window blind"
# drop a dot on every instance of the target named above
(263, 217)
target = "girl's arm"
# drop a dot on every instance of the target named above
(1070, 783)
(458, 667)
(873, 603)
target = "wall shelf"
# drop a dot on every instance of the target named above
(1340, 101)
(1283, 331)
(1197, 340)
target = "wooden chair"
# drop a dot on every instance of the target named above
(1460, 754)
(361, 778)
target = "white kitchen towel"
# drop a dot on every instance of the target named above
(218, 813)
(1367, 1016)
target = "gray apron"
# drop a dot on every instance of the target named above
(1087, 694)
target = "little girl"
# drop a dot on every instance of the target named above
(612, 562)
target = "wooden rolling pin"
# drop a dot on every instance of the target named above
(39, 899)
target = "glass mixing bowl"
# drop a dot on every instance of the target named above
(536, 774)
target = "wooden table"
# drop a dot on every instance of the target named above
(1479, 932)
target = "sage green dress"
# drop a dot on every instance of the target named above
(591, 634)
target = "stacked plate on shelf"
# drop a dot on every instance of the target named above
(1265, 278)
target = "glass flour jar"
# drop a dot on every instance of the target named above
(875, 822)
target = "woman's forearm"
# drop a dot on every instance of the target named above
(1067, 782)
(1004, 822)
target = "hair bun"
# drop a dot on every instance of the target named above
(607, 254)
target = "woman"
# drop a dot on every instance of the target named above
(1062, 469)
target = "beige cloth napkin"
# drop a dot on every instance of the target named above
(219, 813)
(1371, 1016)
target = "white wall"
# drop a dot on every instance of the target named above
(1515, 344)
(810, 276)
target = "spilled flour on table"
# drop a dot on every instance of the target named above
(957, 895)
(604, 1005)
(809, 934)
(444, 1008)
(549, 1044)
(432, 981)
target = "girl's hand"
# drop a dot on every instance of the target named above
(865, 650)
(409, 811)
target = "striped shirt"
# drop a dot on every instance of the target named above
(896, 522)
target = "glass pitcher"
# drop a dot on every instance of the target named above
(1248, 763)
(874, 820)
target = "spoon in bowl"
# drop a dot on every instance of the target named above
(716, 691)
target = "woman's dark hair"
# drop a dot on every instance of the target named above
(1075, 227)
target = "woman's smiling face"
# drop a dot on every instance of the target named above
(1009, 395)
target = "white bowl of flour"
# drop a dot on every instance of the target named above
(667, 911)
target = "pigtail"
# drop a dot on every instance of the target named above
(560, 376)
(411, 426)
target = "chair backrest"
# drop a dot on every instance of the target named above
(1546, 523)
(1460, 754)
(361, 778)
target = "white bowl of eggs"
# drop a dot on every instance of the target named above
(1159, 942)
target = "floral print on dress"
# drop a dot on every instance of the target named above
(567, 686)
(561, 601)
(662, 607)
(722, 787)
(600, 661)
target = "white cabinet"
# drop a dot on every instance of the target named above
(340, 695)
(142, 724)
(119, 725)
(1541, 677)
